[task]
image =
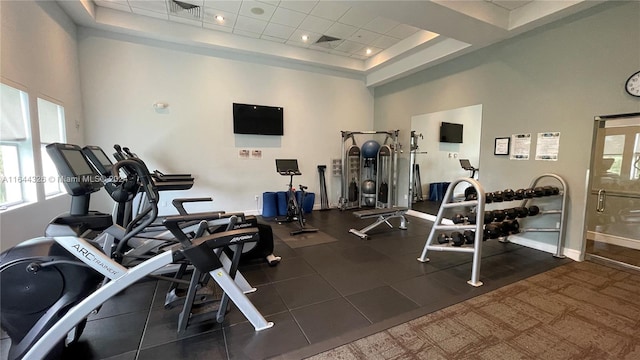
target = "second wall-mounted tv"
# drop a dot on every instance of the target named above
(258, 119)
(450, 132)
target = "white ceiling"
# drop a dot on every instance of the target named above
(380, 40)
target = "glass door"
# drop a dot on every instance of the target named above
(613, 206)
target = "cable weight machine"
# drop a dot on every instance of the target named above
(369, 172)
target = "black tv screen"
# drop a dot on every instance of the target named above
(257, 119)
(450, 132)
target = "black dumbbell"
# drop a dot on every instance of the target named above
(529, 193)
(533, 210)
(488, 198)
(493, 230)
(510, 227)
(499, 215)
(470, 193)
(522, 211)
(470, 237)
(508, 195)
(456, 238)
(512, 213)
(538, 192)
(550, 190)
(497, 196)
(463, 218)
(518, 194)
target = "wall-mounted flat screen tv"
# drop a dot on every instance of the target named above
(257, 119)
(450, 132)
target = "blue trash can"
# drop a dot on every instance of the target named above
(282, 203)
(269, 204)
(437, 190)
(309, 200)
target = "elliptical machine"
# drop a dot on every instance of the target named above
(51, 284)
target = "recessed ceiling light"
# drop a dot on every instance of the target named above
(368, 51)
(305, 37)
(219, 18)
(257, 10)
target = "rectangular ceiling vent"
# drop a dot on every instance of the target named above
(328, 42)
(178, 7)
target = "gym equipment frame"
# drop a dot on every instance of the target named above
(560, 229)
(383, 216)
(352, 171)
(447, 203)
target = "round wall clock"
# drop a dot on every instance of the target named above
(633, 84)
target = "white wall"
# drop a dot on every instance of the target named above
(441, 163)
(123, 76)
(39, 55)
(556, 78)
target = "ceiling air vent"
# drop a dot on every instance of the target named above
(180, 6)
(328, 42)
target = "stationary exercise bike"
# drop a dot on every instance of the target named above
(289, 167)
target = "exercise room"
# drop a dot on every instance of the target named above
(319, 179)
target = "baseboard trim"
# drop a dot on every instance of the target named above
(550, 248)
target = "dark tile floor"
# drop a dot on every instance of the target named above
(319, 296)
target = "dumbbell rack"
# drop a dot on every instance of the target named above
(448, 202)
(560, 229)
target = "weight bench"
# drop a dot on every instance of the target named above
(383, 216)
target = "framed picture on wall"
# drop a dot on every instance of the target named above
(501, 146)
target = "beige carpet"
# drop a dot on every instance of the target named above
(577, 311)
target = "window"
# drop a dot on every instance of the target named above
(20, 182)
(51, 121)
(15, 158)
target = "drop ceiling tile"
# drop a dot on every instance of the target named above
(363, 52)
(273, 38)
(154, 14)
(380, 25)
(300, 6)
(341, 53)
(341, 31)
(329, 45)
(211, 26)
(153, 5)
(229, 6)
(356, 17)
(349, 46)
(287, 17)
(402, 31)
(280, 31)
(274, 3)
(248, 8)
(329, 10)
(364, 36)
(246, 33)
(210, 17)
(121, 5)
(315, 24)
(384, 42)
(297, 36)
(322, 47)
(185, 20)
(297, 43)
(244, 23)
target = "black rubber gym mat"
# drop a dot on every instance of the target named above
(282, 231)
